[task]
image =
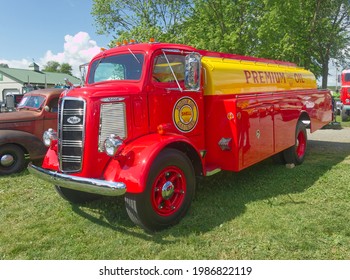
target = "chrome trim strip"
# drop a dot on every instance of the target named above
(112, 99)
(71, 128)
(89, 185)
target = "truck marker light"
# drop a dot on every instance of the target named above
(163, 128)
(230, 116)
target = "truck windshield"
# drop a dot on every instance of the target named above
(31, 102)
(118, 67)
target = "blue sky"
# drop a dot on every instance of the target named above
(29, 29)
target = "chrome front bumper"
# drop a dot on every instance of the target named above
(89, 185)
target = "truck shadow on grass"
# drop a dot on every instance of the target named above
(224, 196)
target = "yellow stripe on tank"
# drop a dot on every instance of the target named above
(230, 76)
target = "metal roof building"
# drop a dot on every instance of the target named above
(18, 81)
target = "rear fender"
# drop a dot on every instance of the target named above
(133, 162)
(317, 110)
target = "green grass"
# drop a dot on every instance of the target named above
(264, 212)
(343, 124)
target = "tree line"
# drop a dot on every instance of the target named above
(307, 32)
(54, 66)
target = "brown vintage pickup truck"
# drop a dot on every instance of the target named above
(21, 131)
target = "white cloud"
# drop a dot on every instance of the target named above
(77, 50)
(21, 64)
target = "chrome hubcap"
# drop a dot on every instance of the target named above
(168, 190)
(7, 160)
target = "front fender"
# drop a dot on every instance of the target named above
(133, 163)
(34, 146)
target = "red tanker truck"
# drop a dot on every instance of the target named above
(152, 117)
(345, 95)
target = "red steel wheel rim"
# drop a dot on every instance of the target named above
(168, 191)
(301, 144)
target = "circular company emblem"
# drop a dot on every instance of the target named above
(73, 120)
(185, 114)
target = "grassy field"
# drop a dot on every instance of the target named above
(343, 124)
(264, 212)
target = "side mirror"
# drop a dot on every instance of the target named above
(47, 108)
(193, 71)
(83, 72)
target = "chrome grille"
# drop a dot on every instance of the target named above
(71, 126)
(112, 121)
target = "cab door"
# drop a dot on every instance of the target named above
(179, 110)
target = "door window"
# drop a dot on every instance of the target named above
(169, 68)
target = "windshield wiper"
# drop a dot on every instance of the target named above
(134, 56)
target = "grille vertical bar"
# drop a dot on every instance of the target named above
(71, 129)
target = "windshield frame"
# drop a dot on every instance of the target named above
(137, 57)
(27, 97)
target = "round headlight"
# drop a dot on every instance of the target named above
(112, 144)
(48, 136)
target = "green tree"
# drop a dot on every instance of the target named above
(66, 68)
(224, 25)
(54, 66)
(332, 34)
(51, 66)
(307, 32)
(139, 19)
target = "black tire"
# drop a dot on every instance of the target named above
(296, 153)
(344, 115)
(76, 197)
(12, 159)
(168, 194)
